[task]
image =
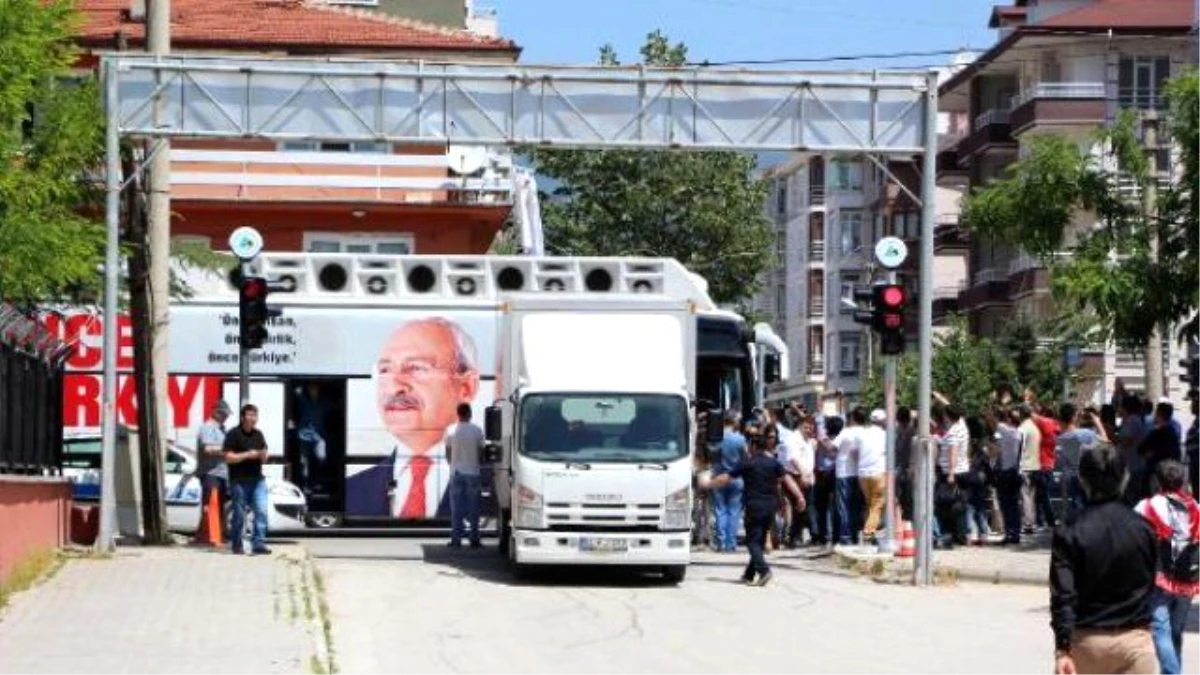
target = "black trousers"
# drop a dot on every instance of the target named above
(822, 501)
(904, 493)
(757, 527)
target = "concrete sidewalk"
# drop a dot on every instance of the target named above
(169, 610)
(1027, 564)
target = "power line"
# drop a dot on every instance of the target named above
(1015, 49)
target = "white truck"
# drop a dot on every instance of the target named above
(593, 430)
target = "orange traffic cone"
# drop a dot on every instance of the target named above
(209, 531)
(908, 540)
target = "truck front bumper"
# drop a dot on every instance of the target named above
(608, 548)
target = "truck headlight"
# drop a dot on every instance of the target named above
(529, 508)
(678, 512)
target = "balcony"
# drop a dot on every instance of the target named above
(1058, 104)
(816, 364)
(816, 195)
(379, 178)
(991, 129)
(816, 307)
(987, 287)
(816, 251)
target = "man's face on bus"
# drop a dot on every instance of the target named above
(420, 383)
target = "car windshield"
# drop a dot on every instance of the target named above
(583, 428)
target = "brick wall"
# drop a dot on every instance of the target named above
(35, 514)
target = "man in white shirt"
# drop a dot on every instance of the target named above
(848, 494)
(463, 450)
(1009, 440)
(424, 371)
(954, 462)
(872, 470)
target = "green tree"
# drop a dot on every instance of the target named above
(704, 209)
(1108, 272)
(966, 369)
(51, 134)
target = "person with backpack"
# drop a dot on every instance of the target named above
(1175, 517)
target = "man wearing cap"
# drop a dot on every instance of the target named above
(211, 469)
(872, 471)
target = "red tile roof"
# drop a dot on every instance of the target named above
(1127, 14)
(1001, 12)
(308, 25)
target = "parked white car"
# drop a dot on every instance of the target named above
(286, 506)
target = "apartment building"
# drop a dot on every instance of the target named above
(1062, 67)
(828, 213)
(321, 196)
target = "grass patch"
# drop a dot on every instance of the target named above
(326, 620)
(35, 567)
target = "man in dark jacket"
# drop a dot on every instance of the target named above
(761, 473)
(1101, 578)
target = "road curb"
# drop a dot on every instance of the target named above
(888, 568)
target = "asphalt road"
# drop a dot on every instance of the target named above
(413, 605)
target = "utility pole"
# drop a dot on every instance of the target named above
(1154, 345)
(158, 43)
(922, 565)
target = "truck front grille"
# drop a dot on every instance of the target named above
(603, 517)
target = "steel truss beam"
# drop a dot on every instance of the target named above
(596, 107)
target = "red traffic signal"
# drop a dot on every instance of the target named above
(892, 296)
(254, 288)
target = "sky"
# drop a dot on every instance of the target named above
(571, 31)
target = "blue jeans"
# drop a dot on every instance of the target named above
(465, 496)
(849, 509)
(727, 503)
(254, 493)
(1166, 624)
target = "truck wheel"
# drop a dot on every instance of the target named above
(505, 534)
(674, 574)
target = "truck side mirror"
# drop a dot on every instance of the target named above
(493, 423)
(771, 373)
(714, 427)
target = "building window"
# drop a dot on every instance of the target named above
(336, 146)
(849, 353)
(848, 281)
(780, 302)
(879, 230)
(847, 175)
(338, 242)
(1140, 81)
(850, 230)
(781, 198)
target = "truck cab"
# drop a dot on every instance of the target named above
(592, 432)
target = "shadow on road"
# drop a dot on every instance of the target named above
(488, 565)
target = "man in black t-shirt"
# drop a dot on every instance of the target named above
(761, 474)
(245, 452)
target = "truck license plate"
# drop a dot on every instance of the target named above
(603, 545)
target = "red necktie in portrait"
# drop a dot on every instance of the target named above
(414, 506)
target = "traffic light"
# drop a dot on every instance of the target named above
(1192, 365)
(888, 312)
(254, 312)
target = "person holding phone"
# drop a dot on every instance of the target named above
(245, 452)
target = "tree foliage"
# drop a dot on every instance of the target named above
(1106, 271)
(969, 370)
(51, 134)
(704, 209)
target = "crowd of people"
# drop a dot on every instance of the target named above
(1123, 477)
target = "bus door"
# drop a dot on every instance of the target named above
(316, 441)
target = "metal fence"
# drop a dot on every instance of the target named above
(31, 391)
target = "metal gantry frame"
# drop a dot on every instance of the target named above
(874, 113)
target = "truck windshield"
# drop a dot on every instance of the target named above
(604, 428)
